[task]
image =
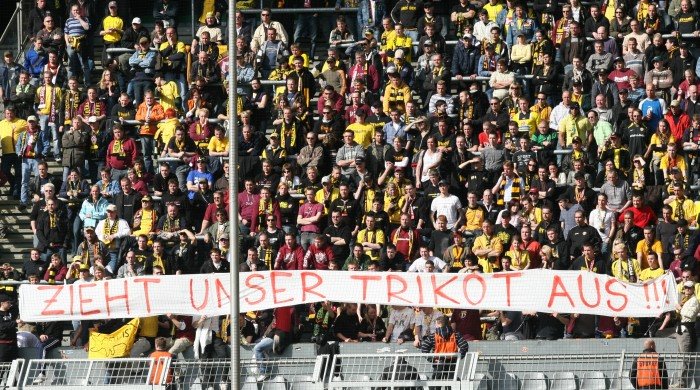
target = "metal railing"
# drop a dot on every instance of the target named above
(399, 370)
(358, 371)
(13, 29)
(319, 10)
(136, 373)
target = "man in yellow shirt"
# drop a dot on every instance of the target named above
(399, 41)
(488, 246)
(112, 30)
(218, 149)
(48, 100)
(575, 125)
(649, 244)
(168, 93)
(654, 271)
(371, 238)
(681, 206)
(362, 131)
(672, 160)
(625, 269)
(397, 93)
(10, 129)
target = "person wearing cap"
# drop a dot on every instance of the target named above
(465, 58)
(112, 30)
(78, 44)
(9, 76)
(8, 329)
(396, 93)
(130, 40)
(145, 219)
(211, 26)
(678, 120)
(111, 231)
(574, 125)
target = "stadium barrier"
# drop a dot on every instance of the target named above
(380, 370)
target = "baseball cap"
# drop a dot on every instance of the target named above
(399, 53)
(576, 139)
(574, 105)
(84, 267)
(89, 228)
(209, 15)
(428, 42)
(359, 160)
(656, 59)
(8, 53)
(202, 180)
(112, 207)
(325, 180)
(144, 40)
(77, 259)
(688, 284)
(112, 4)
(533, 191)
(391, 69)
(136, 20)
(675, 103)
(274, 135)
(442, 182)
(32, 118)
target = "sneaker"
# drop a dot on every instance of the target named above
(22, 206)
(39, 379)
(261, 377)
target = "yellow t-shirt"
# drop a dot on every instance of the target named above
(649, 273)
(493, 10)
(217, 145)
(148, 326)
(519, 260)
(166, 129)
(114, 22)
(363, 133)
(644, 250)
(168, 93)
(335, 193)
(374, 237)
(9, 131)
(482, 242)
(621, 271)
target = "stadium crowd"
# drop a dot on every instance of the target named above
(557, 136)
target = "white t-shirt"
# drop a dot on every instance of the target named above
(402, 319)
(448, 206)
(601, 219)
(418, 264)
(427, 322)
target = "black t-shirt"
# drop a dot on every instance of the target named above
(548, 327)
(348, 325)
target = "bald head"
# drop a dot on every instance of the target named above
(650, 344)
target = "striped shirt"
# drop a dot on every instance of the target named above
(74, 28)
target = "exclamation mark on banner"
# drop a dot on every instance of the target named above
(665, 292)
(656, 295)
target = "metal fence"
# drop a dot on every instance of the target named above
(81, 373)
(352, 371)
(399, 371)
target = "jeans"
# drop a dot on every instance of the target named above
(79, 61)
(181, 172)
(148, 145)
(260, 353)
(49, 134)
(46, 257)
(138, 89)
(77, 233)
(306, 26)
(306, 239)
(93, 168)
(117, 174)
(45, 347)
(29, 165)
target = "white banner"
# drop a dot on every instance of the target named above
(533, 290)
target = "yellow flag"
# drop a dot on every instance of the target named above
(113, 345)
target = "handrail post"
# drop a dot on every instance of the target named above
(192, 24)
(19, 26)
